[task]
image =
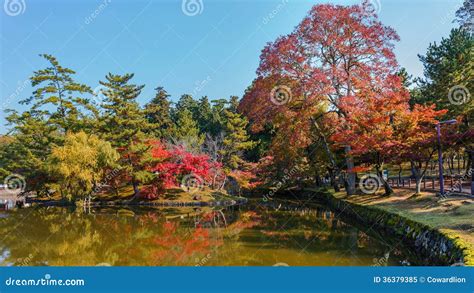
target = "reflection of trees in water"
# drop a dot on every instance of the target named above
(321, 228)
(57, 236)
(197, 236)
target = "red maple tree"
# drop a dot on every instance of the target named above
(333, 56)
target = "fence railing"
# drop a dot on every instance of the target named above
(452, 184)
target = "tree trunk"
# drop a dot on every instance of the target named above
(350, 178)
(418, 180)
(333, 170)
(136, 190)
(334, 182)
(471, 158)
(388, 189)
(399, 174)
(418, 174)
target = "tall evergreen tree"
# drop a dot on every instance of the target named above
(27, 152)
(448, 65)
(124, 125)
(186, 102)
(57, 106)
(465, 16)
(60, 97)
(187, 131)
(236, 140)
(204, 115)
(158, 114)
(233, 104)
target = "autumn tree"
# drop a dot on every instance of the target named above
(334, 53)
(80, 164)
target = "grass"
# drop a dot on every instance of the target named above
(176, 195)
(452, 216)
(173, 195)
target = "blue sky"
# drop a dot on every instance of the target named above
(213, 53)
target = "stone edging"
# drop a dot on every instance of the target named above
(427, 242)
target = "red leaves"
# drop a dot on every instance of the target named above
(176, 162)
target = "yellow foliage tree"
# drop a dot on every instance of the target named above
(81, 164)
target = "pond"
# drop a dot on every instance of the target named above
(254, 234)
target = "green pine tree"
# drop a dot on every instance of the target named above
(158, 114)
(60, 97)
(124, 125)
(186, 102)
(187, 131)
(447, 65)
(204, 115)
(236, 140)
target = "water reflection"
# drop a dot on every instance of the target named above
(242, 235)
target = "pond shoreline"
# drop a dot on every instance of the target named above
(157, 203)
(426, 241)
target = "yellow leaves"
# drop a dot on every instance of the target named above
(81, 161)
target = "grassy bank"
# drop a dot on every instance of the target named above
(452, 216)
(171, 197)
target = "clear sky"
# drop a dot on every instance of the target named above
(213, 53)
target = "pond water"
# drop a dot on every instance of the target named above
(254, 234)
